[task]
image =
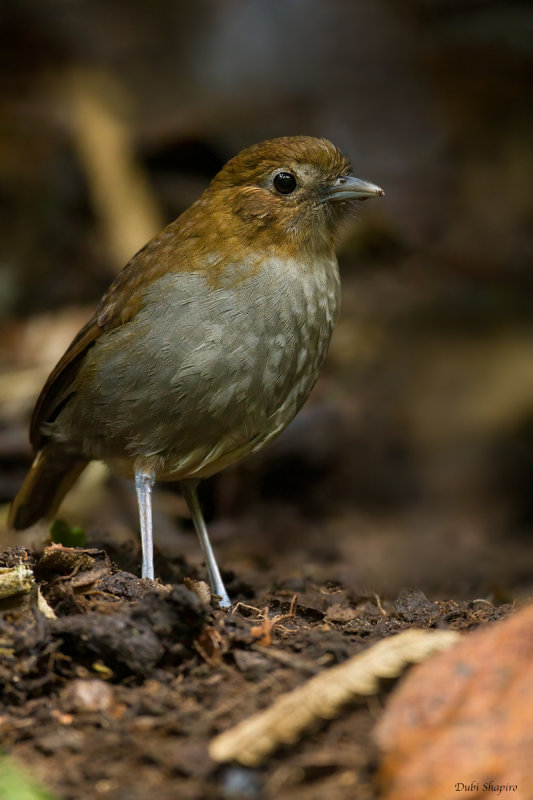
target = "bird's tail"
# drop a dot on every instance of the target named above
(51, 476)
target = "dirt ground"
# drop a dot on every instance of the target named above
(119, 696)
(400, 496)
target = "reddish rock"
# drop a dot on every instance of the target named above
(462, 722)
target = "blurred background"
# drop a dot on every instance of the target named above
(412, 463)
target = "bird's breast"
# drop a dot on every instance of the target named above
(297, 305)
(243, 357)
(202, 374)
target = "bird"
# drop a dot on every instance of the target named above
(207, 344)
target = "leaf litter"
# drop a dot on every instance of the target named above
(133, 688)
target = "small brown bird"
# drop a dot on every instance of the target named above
(207, 343)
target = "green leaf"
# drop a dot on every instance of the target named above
(16, 785)
(62, 533)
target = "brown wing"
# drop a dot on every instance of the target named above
(58, 387)
(121, 302)
(118, 305)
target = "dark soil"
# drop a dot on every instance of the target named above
(410, 466)
(120, 695)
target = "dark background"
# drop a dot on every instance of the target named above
(413, 461)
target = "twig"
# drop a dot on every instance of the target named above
(323, 696)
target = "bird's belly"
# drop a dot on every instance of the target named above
(215, 374)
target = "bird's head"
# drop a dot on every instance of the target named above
(293, 189)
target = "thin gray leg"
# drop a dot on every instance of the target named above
(216, 583)
(144, 482)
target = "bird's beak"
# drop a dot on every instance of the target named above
(349, 188)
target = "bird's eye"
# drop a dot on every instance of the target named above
(284, 182)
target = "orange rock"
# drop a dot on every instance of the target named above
(461, 724)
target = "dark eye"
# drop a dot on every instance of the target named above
(284, 182)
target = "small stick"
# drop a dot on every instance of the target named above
(323, 695)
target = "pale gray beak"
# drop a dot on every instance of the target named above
(349, 188)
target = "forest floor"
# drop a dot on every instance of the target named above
(119, 693)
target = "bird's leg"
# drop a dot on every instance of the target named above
(216, 583)
(144, 482)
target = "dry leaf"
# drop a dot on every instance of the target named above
(16, 580)
(200, 588)
(44, 607)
